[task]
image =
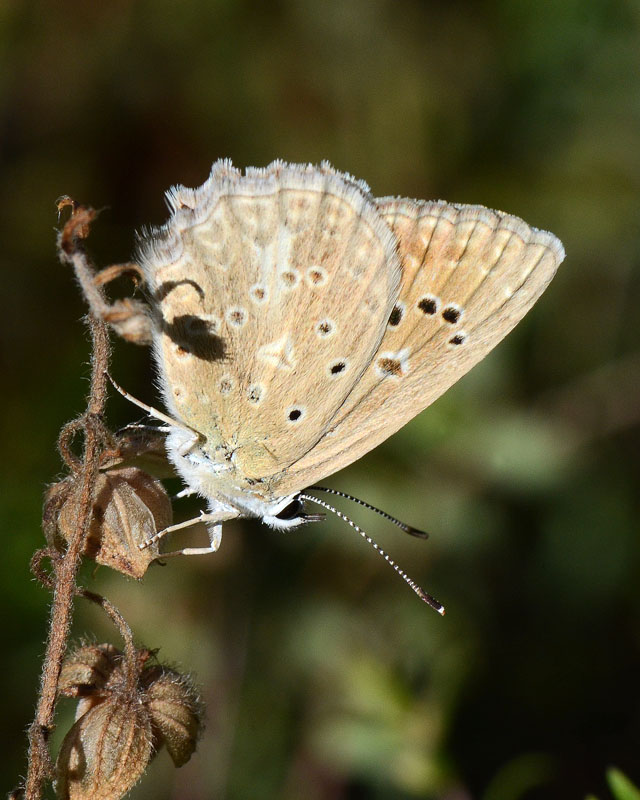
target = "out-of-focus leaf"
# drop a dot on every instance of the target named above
(621, 787)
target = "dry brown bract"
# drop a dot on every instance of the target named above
(127, 710)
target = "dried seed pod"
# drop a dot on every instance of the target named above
(106, 751)
(139, 446)
(129, 507)
(126, 711)
(176, 711)
(88, 668)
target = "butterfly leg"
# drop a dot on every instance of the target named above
(213, 522)
(215, 537)
(186, 492)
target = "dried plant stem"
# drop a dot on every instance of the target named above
(66, 566)
(120, 623)
(65, 570)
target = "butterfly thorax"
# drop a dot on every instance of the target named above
(212, 472)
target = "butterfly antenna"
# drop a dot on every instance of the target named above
(153, 412)
(424, 596)
(402, 525)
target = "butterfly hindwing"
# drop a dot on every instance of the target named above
(468, 276)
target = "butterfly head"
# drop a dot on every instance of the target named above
(288, 512)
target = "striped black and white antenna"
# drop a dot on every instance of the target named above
(424, 596)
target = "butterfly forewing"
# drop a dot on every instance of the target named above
(468, 276)
(272, 295)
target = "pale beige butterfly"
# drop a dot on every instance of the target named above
(299, 322)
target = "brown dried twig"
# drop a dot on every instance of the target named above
(65, 566)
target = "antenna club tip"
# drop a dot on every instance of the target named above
(430, 601)
(416, 532)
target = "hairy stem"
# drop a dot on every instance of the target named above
(65, 568)
(130, 652)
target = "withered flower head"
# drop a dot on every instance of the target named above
(139, 446)
(129, 507)
(106, 751)
(126, 712)
(176, 711)
(88, 669)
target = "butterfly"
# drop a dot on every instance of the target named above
(298, 322)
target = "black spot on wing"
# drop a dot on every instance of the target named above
(428, 305)
(451, 314)
(395, 317)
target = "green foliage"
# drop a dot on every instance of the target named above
(621, 787)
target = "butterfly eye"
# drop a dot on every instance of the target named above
(292, 511)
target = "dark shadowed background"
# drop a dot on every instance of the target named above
(324, 676)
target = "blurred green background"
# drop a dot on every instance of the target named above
(324, 677)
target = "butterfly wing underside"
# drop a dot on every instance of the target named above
(271, 295)
(469, 275)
